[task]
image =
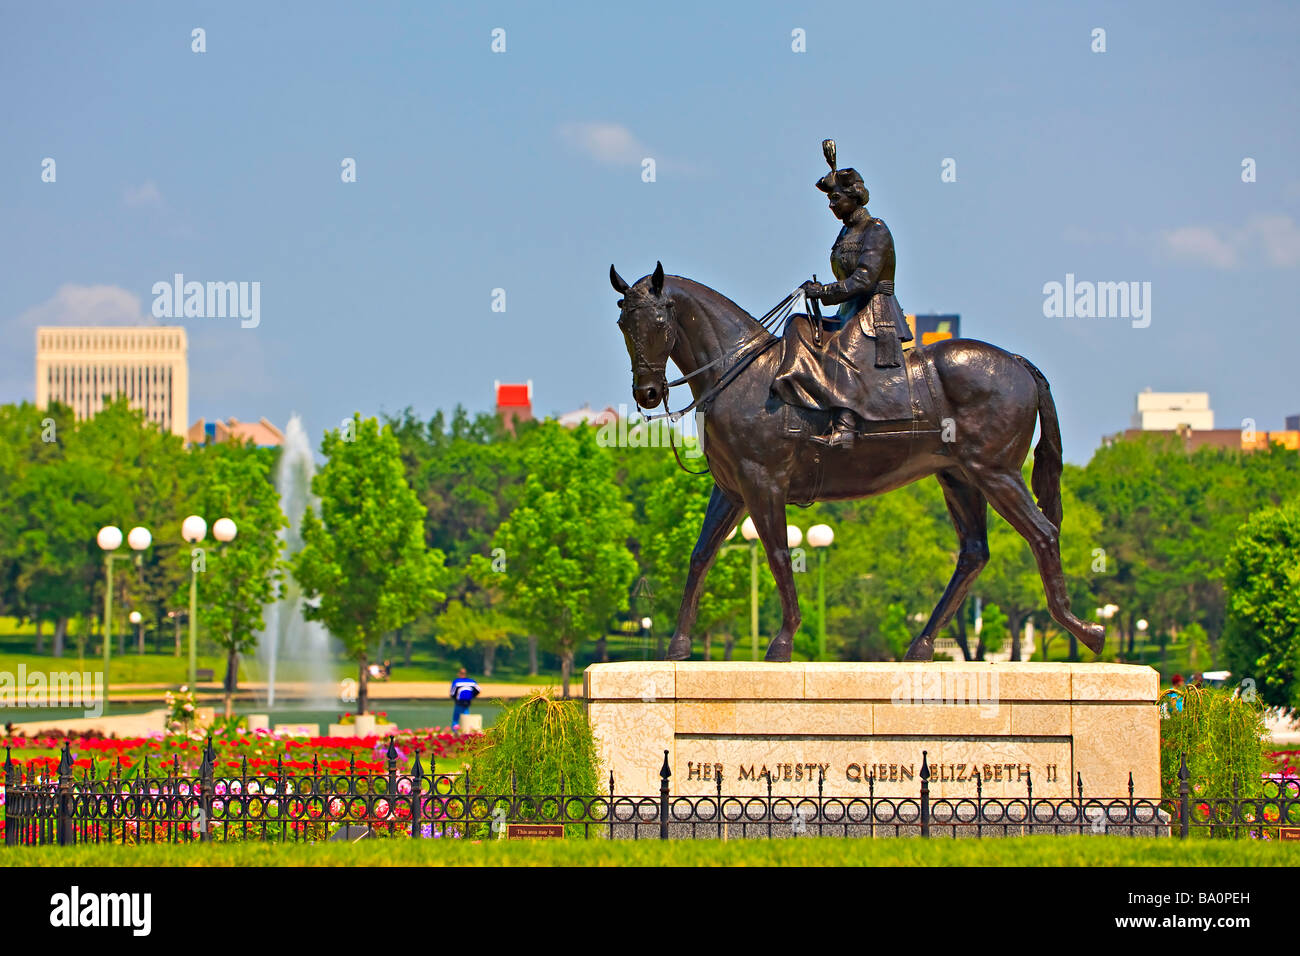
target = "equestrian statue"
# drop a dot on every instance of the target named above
(835, 409)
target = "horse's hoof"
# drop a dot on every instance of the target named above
(920, 651)
(1093, 637)
(779, 652)
(679, 649)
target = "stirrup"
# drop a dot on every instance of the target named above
(836, 438)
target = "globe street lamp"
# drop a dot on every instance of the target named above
(1142, 626)
(750, 533)
(820, 536)
(109, 540)
(136, 618)
(194, 529)
(1104, 614)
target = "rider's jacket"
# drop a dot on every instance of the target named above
(863, 262)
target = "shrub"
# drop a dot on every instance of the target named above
(537, 740)
(1223, 737)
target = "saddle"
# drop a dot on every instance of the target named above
(888, 401)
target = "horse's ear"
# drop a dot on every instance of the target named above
(657, 280)
(616, 280)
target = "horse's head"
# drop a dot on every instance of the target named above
(649, 331)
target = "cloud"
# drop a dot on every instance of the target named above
(146, 194)
(609, 143)
(1199, 245)
(227, 364)
(1279, 238)
(87, 305)
(1273, 238)
(71, 305)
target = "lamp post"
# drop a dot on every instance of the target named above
(1142, 626)
(109, 540)
(820, 536)
(646, 624)
(1104, 614)
(750, 534)
(137, 619)
(194, 529)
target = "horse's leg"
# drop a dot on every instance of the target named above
(1006, 491)
(719, 519)
(767, 507)
(969, 511)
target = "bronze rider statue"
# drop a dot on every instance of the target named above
(863, 262)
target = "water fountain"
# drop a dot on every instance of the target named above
(288, 638)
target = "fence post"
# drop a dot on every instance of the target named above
(1080, 815)
(1236, 807)
(63, 833)
(11, 831)
(1029, 805)
(664, 773)
(1131, 808)
(1183, 790)
(417, 776)
(925, 794)
(722, 827)
(207, 788)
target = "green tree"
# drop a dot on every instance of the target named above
(364, 565)
(674, 512)
(242, 577)
(1262, 638)
(993, 630)
(64, 480)
(1012, 582)
(475, 623)
(897, 550)
(568, 565)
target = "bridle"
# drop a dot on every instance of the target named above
(740, 358)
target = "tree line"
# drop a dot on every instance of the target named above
(457, 533)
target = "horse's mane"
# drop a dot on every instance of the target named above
(699, 290)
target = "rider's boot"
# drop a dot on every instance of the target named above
(842, 432)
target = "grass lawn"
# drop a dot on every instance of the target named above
(825, 851)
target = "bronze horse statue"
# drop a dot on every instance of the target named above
(760, 462)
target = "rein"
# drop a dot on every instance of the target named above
(768, 323)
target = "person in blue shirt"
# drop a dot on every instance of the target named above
(463, 692)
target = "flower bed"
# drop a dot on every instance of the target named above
(263, 750)
(260, 763)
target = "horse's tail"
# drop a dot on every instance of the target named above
(1046, 476)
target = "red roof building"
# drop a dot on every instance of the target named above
(514, 403)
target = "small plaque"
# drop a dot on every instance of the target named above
(534, 831)
(1288, 833)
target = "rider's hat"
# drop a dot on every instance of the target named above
(848, 180)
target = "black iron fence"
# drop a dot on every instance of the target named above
(169, 807)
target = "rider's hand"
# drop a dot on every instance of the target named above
(811, 290)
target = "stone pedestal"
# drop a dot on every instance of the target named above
(855, 725)
(471, 723)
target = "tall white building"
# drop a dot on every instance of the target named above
(84, 366)
(1169, 411)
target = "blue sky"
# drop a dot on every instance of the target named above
(522, 170)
